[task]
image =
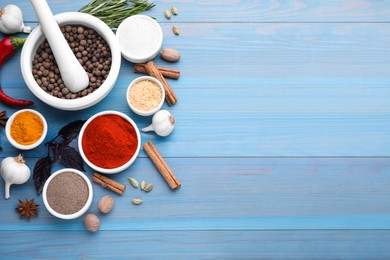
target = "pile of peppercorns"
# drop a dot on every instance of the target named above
(90, 49)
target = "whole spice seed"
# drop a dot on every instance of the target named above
(148, 187)
(143, 184)
(67, 193)
(174, 10)
(26, 128)
(27, 209)
(92, 52)
(136, 201)
(175, 30)
(145, 95)
(92, 222)
(106, 203)
(3, 118)
(133, 182)
(167, 14)
(170, 54)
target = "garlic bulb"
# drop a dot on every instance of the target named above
(11, 20)
(163, 123)
(14, 171)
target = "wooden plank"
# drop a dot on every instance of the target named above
(249, 11)
(309, 90)
(282, 55)
(253, 125)
(319, 244)
(235, 194)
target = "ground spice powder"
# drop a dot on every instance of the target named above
(145, 95)
(67, 193)
(26, 128)
(109, 141)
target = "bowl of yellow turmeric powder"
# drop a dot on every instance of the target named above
(26, 129)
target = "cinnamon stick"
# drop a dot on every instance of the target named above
(161, 165)
(152, 70)
(166, 72)
(108, 183)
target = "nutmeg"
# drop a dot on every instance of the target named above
(105, 204)
(169, 54)
(92, 222)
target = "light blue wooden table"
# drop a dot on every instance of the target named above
(282, 142)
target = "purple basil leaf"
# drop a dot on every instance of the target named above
(70, 131)
(56, 151)
(71, 158)
(41, 173)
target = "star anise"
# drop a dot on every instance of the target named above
(3, 119)
(27, 209)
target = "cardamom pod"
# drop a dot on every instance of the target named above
(174, 10)
(167, 14)
(175, 30)
(136, 201)
(143, 184)
(133, 182)
(148, 187)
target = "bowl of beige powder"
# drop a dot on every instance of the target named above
(67, 194)
(145, 95)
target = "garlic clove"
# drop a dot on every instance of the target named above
(163, 123)
(13, 170)
(11, 20)
(148, 128)
(7, 190)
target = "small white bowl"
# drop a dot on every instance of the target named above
(104, 170)
(141, 112)
(140, 38)
(82, 210)
(21, 146)
(37, 36)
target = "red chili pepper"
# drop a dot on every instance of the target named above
(7, 100)
(8, 46)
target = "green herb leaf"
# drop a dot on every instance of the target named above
(113, 12)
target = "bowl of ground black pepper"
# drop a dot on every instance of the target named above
(97, 50)
(67, 194)
(109, 142)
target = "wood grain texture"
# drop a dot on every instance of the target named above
(248, 11)
(282, 141)
(235, 194)
(294, 244)
(281, 90)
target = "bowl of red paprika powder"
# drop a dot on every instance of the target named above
(109, 142)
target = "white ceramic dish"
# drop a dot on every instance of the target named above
(140, 38)
(36, 37)
(150, 112)
(114, 170)
(82, 210)
(16, 144)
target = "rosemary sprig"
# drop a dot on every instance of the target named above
(113, 12)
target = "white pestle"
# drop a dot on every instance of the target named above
(72, 73)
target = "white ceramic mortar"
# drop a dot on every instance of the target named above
(36, 37)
